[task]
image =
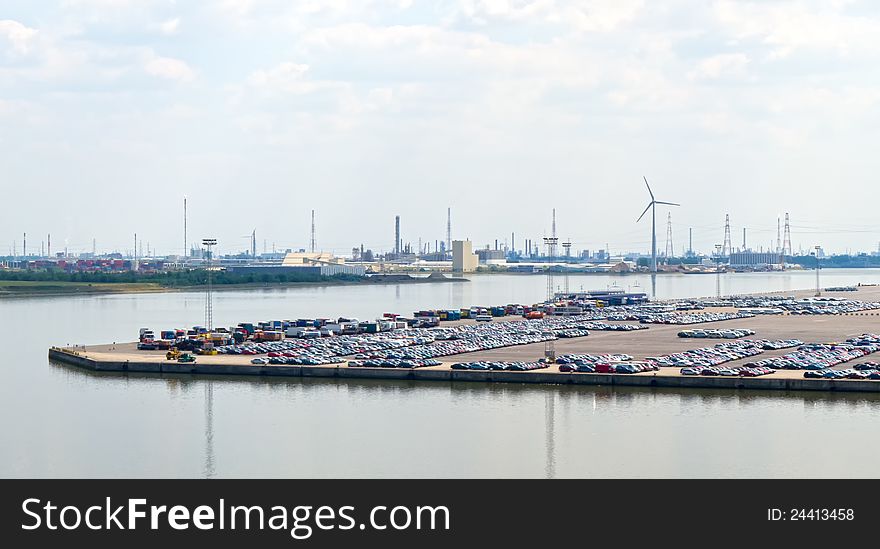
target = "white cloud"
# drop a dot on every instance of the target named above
(581, 15)
(789, 26)
(17, 35)
(171, 26)
(169, 68)
(726, 65)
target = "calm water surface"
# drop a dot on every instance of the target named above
(64, 422)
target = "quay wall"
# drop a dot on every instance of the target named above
(488, 376)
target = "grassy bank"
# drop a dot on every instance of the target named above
(27, 288)
(131, 283)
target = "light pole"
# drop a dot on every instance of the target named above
(208, 243)
(718, 271)
(818, 288)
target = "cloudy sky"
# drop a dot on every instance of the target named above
(112, 110)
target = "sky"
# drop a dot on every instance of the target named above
(111, 111)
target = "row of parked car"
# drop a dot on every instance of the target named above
(800, 306)
(296, 360)
(852, 373)
(700, 317)
(393, 363)
(818, 356)
(586, 358)
(740, 371)
(717, 334)
(609, 367)
(710, 356)
(518, 366)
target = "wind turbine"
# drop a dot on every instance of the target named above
(652, 206)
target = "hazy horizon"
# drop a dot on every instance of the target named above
(260, 111)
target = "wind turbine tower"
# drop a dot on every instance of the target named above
(652, 205)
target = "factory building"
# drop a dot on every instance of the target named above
(464, 260)
(755, 260)
(317, 263)
(491, 256)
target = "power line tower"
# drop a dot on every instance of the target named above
(786, 238)
(669, 251)
(726, 248)
(449, 230)
(786, 242)
(209, 297)
(312, 245)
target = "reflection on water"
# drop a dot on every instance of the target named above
(477, 429)
(209, 429)
(63, 421)
(550, 413)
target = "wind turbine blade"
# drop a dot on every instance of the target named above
(649, 188)
(667, 203)
(644, 212)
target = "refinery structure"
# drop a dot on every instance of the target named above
(452, 254)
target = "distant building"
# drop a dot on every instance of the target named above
(319, 263)
(754, 260)
(488, 256)
(297, 259)
(464, 260)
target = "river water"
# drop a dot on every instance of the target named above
(59, 421)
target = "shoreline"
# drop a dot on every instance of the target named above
(666, 378)
(62, 289)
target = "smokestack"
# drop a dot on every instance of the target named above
(49, 244)
(397, 235)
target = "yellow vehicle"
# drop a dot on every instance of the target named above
(207, 351)
(173, 354)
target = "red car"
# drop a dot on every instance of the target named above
(604, 368)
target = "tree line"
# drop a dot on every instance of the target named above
(194, 277)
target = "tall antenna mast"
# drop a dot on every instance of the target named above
(669, 250)
(312, 243)
(185, 242)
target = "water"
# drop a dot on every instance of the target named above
(59, 421)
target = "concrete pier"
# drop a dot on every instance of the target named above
(667, 377)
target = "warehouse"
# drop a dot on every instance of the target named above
(755, 260)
